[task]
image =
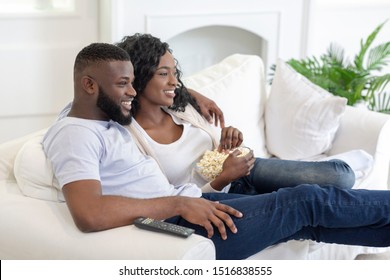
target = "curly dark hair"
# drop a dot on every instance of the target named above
(145, 52)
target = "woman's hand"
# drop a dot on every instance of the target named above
(230, 138)
(210, 110)
(234, 167)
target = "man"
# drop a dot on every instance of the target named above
(107, 182)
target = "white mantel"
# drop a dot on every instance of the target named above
(203, 32)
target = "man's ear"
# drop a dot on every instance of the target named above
(89, 85)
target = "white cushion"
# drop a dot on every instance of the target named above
(33, 172)
(301, 118)
(237, 84)
(8, 152)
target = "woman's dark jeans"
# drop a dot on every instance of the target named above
(269, 175)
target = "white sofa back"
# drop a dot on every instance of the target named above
(237, 85)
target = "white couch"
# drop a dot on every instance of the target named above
(34, 225)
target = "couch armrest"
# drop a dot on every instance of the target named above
(369, 131)
(39, 229)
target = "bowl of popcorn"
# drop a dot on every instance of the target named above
(210, 165)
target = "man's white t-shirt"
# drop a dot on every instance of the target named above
(81, 149)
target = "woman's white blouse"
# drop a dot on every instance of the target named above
(178, 159)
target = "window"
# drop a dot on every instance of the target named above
(36, 7)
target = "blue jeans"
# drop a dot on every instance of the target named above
(269, 175)
(327, 214)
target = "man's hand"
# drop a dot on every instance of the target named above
(208, 214)
(210, 110)
(93, 211)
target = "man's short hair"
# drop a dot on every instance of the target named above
(99, 52)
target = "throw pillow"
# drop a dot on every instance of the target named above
(33, 172)
(301, 118)
(236, 85)
(8, 152)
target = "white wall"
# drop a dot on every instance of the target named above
(346, 22)
(37, 51)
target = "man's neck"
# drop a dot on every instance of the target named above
(83, 112)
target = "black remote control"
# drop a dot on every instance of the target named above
(160, 226)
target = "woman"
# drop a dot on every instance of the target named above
(168, 126)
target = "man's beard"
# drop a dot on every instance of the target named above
(113, 110)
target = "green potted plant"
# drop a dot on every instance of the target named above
(360, 80)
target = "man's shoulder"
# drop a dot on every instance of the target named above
(75, 128)
(71, 122)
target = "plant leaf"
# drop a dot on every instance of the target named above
(378, 57)
(364, 46)
(336, 55)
